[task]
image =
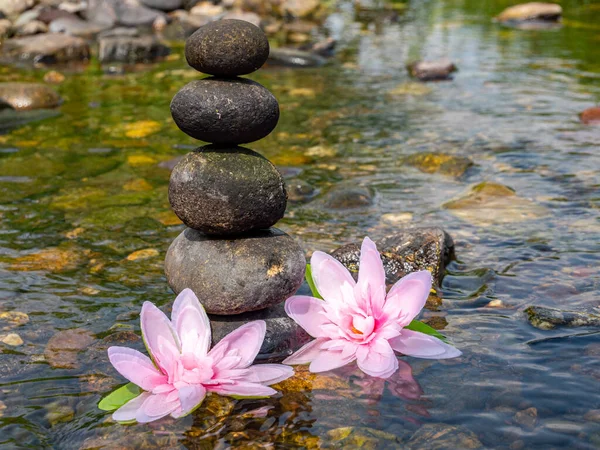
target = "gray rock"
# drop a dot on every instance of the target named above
(119, 32)
(223, 111)
(119, 12)
(407, 251)
(12, 7)
(248, 273)
(23, 96)
(550, 318)
(227, 48)
(47, 48)
(48, 15)
(246, 16)
(300, 191)
(283, 336)
(183, 25)
(439, 436)
(74, 26)
(224, 191)
(343, 197)
(11, 119)
(5, 28)
(163, 5)
(289, 57)
(31, 28)
(432, 70)
(131, 49)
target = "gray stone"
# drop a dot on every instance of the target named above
(439, 436)
(119, 12)
(432, 70)
(23, 96)
(74, 26)
(131, 49)
(407, 251)
(549, 318)
(226, 191)
(11, 119)
(31, 28)
(12, 7)
(289, 57)
(300, 191)
(344, 197)
(222, 111)
(283, 337)
(227, 48)
(163, 5)
(232, 276)
(47, 48)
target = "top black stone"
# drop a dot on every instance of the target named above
(227, 48)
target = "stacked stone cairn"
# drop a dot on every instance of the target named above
(228, 196)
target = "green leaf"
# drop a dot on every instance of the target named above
(311, 282)
(119, 397)
(421, 327)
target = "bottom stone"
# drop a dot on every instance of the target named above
(283, 336)
(236, 275)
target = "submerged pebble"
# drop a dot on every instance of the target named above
(27, 96)
(432, 70)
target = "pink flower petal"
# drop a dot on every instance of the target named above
(308, 312)
(419, 345)
(243, 389)
(245, 343)
(156, 407)
(377, 359)
(306, 353)
(191, 323)
(129, 410)
(190, 398)
(371, 285)
(160, 337)
(329, 360)
(268, 373)
(407, 297)
(136, 367)
(330, 276)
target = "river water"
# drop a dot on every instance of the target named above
(81, 192)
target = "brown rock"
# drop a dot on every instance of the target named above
(432, 162)
(31, 28)
(531, 11)
(54, 77)
(527, 418)
(592, 415)
(301, 9)
(61, 351)
(432, 70)
(25, 96)
(12, 7)
(52, 259)
(591, 116)
(12, 319)
(439, 436)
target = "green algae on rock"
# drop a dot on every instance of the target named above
(491, 203)
(546, 318)
(439, 436)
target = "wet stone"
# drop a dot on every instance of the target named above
(225, 112)
(348, 198)
(300, 191)
(74, 26)
(527, 418)
(46, 48)
(531, 11)
(408, 251)
(283, 336)
(163, 5)
(131, 49)
(290, 57)
(432, 70)
(226, 191)
(26, 96)
(227, 48)
(590, 116)
(62, 349)
(439, 436)
(441, 163)
(232, 276)
(549, 318)
(361, 437)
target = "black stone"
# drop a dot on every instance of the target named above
(227, 48)
(405, 252)
(226, 191)
(226, 112)
(232, 276)
(283, 337)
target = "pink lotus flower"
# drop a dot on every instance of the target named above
(183, 370)
(358, 321)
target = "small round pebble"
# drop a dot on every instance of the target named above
(226, 191)
(232, 276)
(227, 48)
(225, 112)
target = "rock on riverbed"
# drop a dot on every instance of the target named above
(550, 318)
(47, 48)
(25, 96)
(531, 11)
